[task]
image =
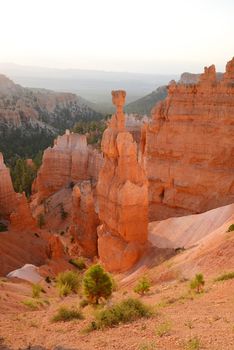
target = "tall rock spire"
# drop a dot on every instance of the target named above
(122, 192)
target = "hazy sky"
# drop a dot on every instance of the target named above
(149, 36)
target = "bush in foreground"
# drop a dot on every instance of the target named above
(230, 228)
(193, 344)
(68, 282)
(35, 304)
(83, 303)
(79, 263)
(147, 346)
(198, 283)
(225, 276)
(143, 286)
(64, 314)
(97, 284)
(126, 311)
(36, 290)
(3, 227)
(163, 329)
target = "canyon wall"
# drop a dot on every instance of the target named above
(122, 194)
(188, 148)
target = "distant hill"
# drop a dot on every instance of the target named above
(145, 104)
(93, 85)
(31, 118)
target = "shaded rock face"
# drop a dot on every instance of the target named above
(70, 160)
(55, 249)
(21, 217)
(7, 193)
(84, 220)
(13, 206)
(122, 193)
(188, 149)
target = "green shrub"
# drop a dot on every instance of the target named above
(225, 276)
(230, 228)
(36, 290)
(78, 262)
(114, 284)
(3, 227)
(97, 284)
(126, 311)
(163, 329)
(64, 290)
(83, 303)
(147, 346)
(34, 304)
(65, 314)
(48, 279)
(68, 282)
(197, 283)
(193, 344)
(143, 285)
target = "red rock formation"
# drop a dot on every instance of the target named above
(21, 217)
(55, 248)
(7, 193)
(84, 220)
(122, 196)
(70, 160)
(189, 147)
(13, 206)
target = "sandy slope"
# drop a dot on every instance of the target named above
(19, 248)
(209, 316)
(185, 231)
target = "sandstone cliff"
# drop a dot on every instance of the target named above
(69, 161)
(189, 147)
(122, 193)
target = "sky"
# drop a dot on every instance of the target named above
(147, 36)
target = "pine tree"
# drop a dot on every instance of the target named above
(97, 284)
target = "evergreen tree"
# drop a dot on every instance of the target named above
(97, 284)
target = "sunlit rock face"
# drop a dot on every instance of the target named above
(122, 193)
(68, 161)
(188, 148)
